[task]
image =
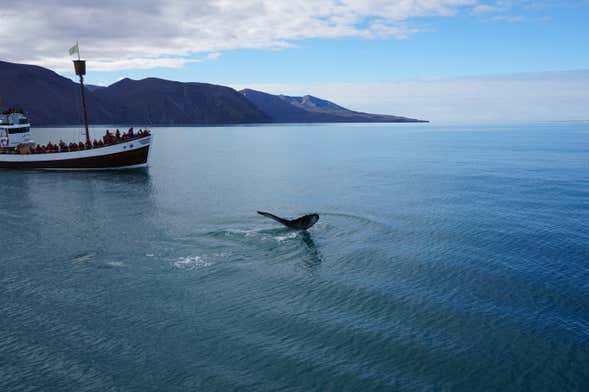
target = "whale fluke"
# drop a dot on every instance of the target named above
(302, 223)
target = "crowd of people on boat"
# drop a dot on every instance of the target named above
(108, 139)
(12, 110)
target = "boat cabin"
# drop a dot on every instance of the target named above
(15, 129)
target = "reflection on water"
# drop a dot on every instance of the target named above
(315, 255)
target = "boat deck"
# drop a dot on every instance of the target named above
(73, 147)
(128, 153)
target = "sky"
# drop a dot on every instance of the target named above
(441, 60)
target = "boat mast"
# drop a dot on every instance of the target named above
(80, 68)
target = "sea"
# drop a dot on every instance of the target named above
(446, 258)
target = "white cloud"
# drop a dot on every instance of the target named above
(485, 8)
(122, 34)
(213, 56)
(545, 96)
(122, 64)
(508, 18)
(503, 10)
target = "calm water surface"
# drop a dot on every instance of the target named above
(446, 259)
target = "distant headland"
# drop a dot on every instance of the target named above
(51, 99)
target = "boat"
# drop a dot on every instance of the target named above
(18, 150)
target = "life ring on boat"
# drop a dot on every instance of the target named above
(3, 142)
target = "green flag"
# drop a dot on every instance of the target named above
(75, 49)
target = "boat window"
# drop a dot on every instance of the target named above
(18, 130)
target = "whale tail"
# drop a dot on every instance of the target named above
(302, 223)
(272, 216)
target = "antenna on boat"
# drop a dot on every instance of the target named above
(80, 68)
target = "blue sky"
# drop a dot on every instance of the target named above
(545, 39)
(315, 46)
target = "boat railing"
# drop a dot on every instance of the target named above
(57, 149)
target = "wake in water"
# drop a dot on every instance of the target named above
(232, 247)
(281, 244)
(191, 262)
(360, 218)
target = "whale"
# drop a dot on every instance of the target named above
(303, 223)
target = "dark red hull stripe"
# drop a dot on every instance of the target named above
(120, 159)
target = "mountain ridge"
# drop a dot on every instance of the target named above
(51, 99)
(160, 101)
(309, 109)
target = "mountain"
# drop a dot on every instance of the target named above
(46, 97)
(286, 109)
(51, 99)
(158, 101)
(93, 87)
